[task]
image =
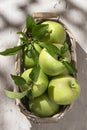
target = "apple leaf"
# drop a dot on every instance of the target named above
(23, 34)
(52, 49)
(30, 23)
(34, 73)
(29, 94)
(39, 31)
(18, 95)
(12, 51)
(64, 49)
(32, 53)
(70, 67)
(18, 80)
(24, 38)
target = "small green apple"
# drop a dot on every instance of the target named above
(53, 66)
(63, 90)
(42, 106)
(58, 34)
(38, 87)
(29, 62)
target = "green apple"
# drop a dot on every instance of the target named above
(63, 90)
(38, 87)
(53, 66)
(29, 62)
(42, 106)
(57, 32)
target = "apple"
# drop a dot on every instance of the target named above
(38, 87)
(53, 66)
(42, 106)
(57, 32)
(63, 90)
(29, 62)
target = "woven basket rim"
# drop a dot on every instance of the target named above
(57, 116)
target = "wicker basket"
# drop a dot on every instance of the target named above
(39, 17)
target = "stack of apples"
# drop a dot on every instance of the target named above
(55, 85)
(46, 77)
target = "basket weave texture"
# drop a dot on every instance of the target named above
(40, 17)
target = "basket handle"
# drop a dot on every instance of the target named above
(42, 15)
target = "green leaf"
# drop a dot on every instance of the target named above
(34, 73)
(32, 53)
(29, 51)
(39, 31)
(18, 95)
(24, 38)
(30, 23)
(29, 94)
(18, 80)
(12, 51)
(23, 34)
(52, 49)
(70, 67)
(64, 49)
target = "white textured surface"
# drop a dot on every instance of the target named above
(12, 17)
